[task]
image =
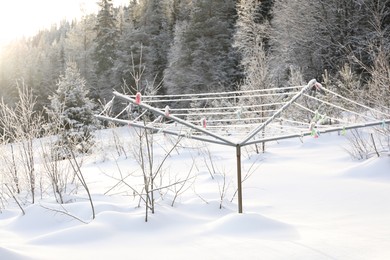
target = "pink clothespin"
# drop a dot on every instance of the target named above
(167, 111)
(138, 98)
(204, 123)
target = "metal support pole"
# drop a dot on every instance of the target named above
(239, 182)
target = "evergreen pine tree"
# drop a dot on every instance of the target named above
(155, 24)
(79, 45)
(144, 43)
(107, 36)
(71, 111)
(200, 58)
(124, 63)
(252, 34)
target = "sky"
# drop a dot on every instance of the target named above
(20, 18)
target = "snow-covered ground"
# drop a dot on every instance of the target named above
(305, 200)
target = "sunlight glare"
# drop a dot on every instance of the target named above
(20, 18)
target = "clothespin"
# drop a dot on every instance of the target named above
(313, 130)
(317, 116)
(167, 111)
(383, 123)
(204, 123)
(343, 132)
(312, 126)
(138, 98)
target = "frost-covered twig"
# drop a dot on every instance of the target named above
(183, 183)
(13, 196)
(248, 174)
(77, 170)
(65, 213)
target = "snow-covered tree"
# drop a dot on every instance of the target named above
(319, 35)
(252, 32)
(293, 39)
(144, 43)
(106, 41)
(200, 57)
(378, 48)
(71, 111)
(154, 25)
(249, 39)
(79, 45)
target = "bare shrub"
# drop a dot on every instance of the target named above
(180, 186)
(223, 186)
(363, 145)
(10, 172)
(208, 161)
(76, 163)
(57, 170)
(143, 152)
(248, 173)
(22, 125)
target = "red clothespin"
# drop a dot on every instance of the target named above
(204, 123)
(138, 98)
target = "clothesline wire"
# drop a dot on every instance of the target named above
(313, 112)
(224, 108)
(226, 93)
(225, 113)
(217, 98)
(339, 107)
(356, 103)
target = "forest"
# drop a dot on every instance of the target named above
(188, 46)
(227, 86)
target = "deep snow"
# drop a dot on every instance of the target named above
(307, 200)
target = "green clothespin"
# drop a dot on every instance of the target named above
(312, 128)
(316, 116)
(343, 132)
(314, 133)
